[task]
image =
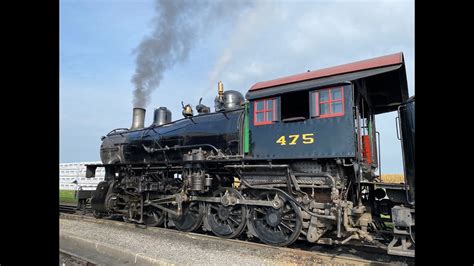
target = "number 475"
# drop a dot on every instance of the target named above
(293, 139)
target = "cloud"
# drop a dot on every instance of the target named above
(293, 38)
(247, 27)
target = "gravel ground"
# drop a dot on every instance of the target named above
(187, 248)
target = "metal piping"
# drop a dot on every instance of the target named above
(344, 163)
(339, 222)
(379, 151)
(346, 223)
(258, 166)
(150, 150)
(358, 134)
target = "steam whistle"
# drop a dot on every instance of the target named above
(219, 100)
(220, 89)
(220, 92)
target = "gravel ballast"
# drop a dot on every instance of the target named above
(185, 248)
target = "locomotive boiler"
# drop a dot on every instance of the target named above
(296, 158)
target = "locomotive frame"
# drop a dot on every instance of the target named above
(296, 159)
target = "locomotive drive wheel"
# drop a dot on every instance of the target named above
(97, 214)
(153, 216)
(226, 222)
(277, 227)
(191, 219)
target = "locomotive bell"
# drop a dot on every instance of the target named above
(138, 120)
(187, 110)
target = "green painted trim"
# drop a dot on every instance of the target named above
(246, 130)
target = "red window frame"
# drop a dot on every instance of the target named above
(265, 110)
(330, 101)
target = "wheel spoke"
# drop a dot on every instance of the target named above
(228, 224)
(234, 221)
(287, 227)
(260, 211)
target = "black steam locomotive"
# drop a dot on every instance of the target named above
(297, 158)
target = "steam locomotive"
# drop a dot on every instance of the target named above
(297, 158)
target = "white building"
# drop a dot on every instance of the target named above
(68, 172)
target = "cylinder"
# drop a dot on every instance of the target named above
(197, 182)
(138, 120)
(161, 116)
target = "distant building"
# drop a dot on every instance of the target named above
(70, 172)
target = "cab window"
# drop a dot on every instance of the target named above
(328, 102)
(265, 111)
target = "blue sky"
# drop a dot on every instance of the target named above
(269, 40)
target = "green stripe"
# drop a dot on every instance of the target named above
(246, 129)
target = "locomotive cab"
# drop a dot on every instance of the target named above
(328, 113)
(327, 117)
(307, 123)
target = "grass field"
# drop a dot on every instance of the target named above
(66, 196)
(393, 178)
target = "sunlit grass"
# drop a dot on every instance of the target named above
(393, 178)
(66, 196)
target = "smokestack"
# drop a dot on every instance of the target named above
(138, 121)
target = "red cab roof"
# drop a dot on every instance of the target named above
(382, 61)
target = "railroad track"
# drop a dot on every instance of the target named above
(67, 208)
(72, 208)
(353, 254)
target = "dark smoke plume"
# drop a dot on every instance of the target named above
(177, 26)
